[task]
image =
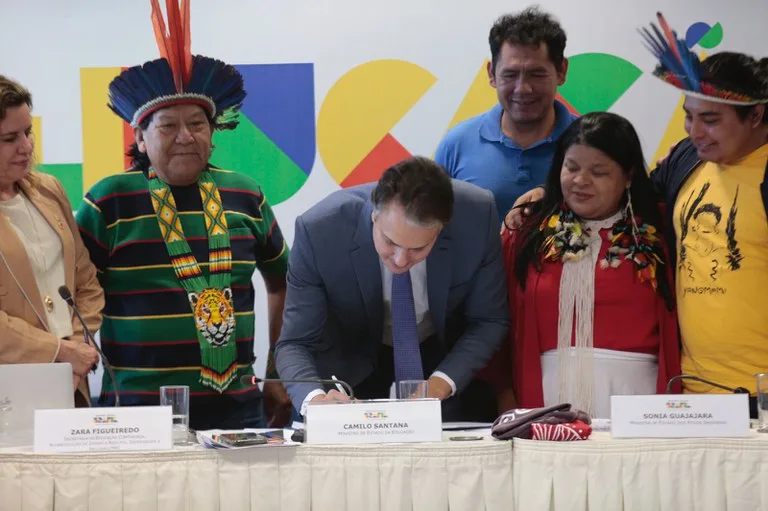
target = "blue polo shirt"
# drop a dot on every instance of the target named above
(478, 151)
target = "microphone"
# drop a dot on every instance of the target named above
(66, 295)
(737, 390)
(254, 380)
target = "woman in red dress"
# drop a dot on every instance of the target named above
(589, 288)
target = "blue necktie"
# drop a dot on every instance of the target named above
(405, 336)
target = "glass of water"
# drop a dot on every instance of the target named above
(413, 389)
(762, 402)
(177, 397)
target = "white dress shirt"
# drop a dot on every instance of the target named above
(424, 323)
(45, 254)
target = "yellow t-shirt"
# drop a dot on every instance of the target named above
(722, 273)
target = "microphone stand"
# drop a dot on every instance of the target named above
(737, 390)
(67, 296)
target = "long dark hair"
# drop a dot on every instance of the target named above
(614, 136)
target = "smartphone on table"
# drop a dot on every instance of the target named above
(249, 438)
(242, 439)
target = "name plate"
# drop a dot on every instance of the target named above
(378, 421)
(133, 428)
(680, 416)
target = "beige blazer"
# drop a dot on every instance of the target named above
(23, 339)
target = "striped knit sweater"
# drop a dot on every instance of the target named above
(148, 333)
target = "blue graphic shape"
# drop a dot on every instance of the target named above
(281, 103)
(695, 32)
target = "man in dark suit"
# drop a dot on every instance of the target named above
(403, 279)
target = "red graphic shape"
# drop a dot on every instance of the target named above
(386, 153)
(569, 106)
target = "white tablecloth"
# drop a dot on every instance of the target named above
(450, 475)
(643, 475)
(598, 474)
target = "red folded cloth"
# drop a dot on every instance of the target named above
(543, 424)
(567, 432)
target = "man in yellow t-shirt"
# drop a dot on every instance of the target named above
(722, 273)
(714, 185)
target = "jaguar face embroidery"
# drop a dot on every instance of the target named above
(214, 315)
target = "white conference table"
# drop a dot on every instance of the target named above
(598, 474)
(435, 476)
(644, 475)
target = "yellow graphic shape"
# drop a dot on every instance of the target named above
(37, 136)
(102, 129)
(480, 98)
(362, 107)
(675, 131)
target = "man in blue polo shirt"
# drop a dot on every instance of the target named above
(508, 149)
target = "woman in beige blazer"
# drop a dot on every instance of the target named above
(40, 250)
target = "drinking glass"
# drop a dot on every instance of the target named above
(177, 397)
(762, 402)
(413, 389)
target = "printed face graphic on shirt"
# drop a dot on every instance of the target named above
(708, 236)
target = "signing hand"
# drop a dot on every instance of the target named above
(331, 396)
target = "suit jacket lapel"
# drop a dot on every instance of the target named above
(365, 262)
(439, 280)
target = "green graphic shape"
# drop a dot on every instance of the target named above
(249, 151)
(713, 37)
(71, 177)
(596, 80)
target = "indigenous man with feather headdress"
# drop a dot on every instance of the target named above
(176, 241)
(715, 186)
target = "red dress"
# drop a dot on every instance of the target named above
(629, 316)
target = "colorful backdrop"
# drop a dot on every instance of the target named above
(339, 89)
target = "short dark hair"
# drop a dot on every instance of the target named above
(421, 186)
(530, 27)
(740, 73)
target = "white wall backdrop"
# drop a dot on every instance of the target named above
(46, 43)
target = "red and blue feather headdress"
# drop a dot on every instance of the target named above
(178, 77)
(679, 66)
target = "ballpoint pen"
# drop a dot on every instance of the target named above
(338, 386)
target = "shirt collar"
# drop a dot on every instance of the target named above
(490, 129)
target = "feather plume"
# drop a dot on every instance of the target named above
(186, 49)
(680, 67)
(158, 24)
(174, 40)
(677, 64)
(670, 35)
(178, 76)
(175, 35)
